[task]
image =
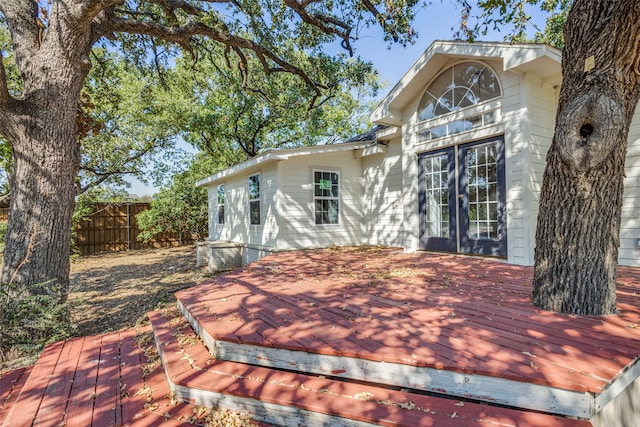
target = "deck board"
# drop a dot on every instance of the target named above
(28, 402)
(89, 381)
(80, 407)
(11, 384)
(107, 387)
(56, 395)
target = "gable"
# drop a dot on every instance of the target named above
(541, 61)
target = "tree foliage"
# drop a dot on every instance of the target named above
(236, 113)
(513, 18)
(126, 124)
(558, 12)
(52, 43)
(181, 207)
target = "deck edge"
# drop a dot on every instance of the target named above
(512, 393)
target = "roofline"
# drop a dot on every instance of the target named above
(496, 50)
(280, 154)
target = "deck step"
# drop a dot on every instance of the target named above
(280, 397)
(241, 322)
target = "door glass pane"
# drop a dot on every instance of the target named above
(436, 195)
(482, 179)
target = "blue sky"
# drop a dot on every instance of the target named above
(434, 22)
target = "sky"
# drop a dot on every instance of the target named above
(392, 61)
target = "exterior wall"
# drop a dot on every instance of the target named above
(529, 136)
(516, 138)
(296, 206)
(237, 226)
(382, 201)
(629, 253)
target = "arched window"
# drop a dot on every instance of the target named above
(461, 86)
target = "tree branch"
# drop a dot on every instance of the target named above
(5, 97)
(182, 36)
(26, 35)
(328, 24)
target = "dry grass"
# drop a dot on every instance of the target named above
(114, 291)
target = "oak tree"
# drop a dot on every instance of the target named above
(578, 232)
(52, 43)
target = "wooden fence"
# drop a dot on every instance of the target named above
(113, 227)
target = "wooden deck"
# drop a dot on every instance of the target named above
(353, 337)
(454, 325)
(289, 398)
(107, 380)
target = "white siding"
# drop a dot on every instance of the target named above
(215, 229)
(296, 207)
(509, 108)
(516, 140)
(537, 122)
(382, 202)
(629, 253)
(237, 226)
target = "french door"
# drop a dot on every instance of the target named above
(462, 199)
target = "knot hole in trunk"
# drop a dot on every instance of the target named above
(586, 130)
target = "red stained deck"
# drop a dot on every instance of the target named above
(444, 313)
(90, 381)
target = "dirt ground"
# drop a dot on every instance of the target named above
(115, 290)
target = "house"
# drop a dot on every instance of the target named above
(455, 164)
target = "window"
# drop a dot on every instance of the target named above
(436, 190)
(326, 188)
(254, 199)
(221, 204)
(454, 90)
(482, 177)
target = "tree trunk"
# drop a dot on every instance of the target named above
(46, 161)
(41, 127)
(577, 236)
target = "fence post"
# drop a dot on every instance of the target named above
(128, 226)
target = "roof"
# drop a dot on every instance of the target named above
(284, 154)
(540, 60)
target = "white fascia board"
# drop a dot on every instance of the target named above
(239, 167)
(518, 55)
(277, 155)
(388, 133)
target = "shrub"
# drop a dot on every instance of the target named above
(30, 318)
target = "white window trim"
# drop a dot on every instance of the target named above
(218, 204)
(258, 199)
(464, 112)
(483, 109)
(314, 197)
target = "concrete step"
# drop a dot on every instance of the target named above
(289, 398)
